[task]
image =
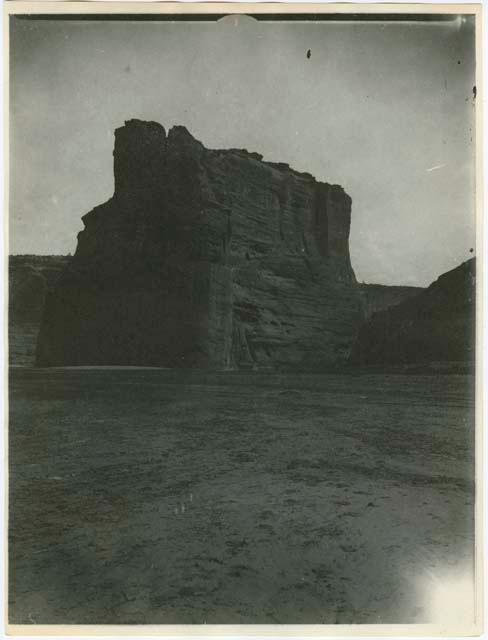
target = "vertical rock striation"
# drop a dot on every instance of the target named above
(205, 258)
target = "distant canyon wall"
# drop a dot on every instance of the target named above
(435, 326)
(29, 278)
(377, 297)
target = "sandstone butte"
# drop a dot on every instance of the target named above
(205, 258)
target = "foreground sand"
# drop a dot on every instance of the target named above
(151, 496)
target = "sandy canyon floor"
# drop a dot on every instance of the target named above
(155, 496)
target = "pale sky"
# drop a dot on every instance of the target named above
(384, 109)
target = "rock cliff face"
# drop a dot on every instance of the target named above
(435, 326)
(205, 258)
(377, 297)
(29, 277)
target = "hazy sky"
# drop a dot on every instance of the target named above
(386, 110)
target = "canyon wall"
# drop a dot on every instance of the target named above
(29, 279)
(31, 276)
(377, 297)
(435, 326)
(205, 258)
